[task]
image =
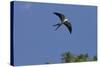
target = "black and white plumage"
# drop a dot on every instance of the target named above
(64, 21)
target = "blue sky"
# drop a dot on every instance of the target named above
(36, 42)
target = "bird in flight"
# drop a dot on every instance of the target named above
(64, 21)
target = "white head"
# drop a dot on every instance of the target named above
(65, 20)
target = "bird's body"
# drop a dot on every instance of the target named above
(63, 21)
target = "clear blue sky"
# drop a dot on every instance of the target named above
(36, 42)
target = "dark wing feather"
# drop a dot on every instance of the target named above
(61, 16)
(69, 26)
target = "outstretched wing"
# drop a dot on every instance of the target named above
(61, 16)
(69, 26)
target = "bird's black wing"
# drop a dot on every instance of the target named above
(69, 26)
(61, 16)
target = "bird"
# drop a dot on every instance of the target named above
(64, 21)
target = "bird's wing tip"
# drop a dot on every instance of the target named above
(54, 12)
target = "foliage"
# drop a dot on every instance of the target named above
(95, 58)
(69, 57)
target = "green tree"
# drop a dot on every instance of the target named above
(81, 58)
(67, 57)
(95, 58)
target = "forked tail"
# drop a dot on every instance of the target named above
(58, 25)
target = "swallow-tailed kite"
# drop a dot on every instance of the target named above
(63, 21)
